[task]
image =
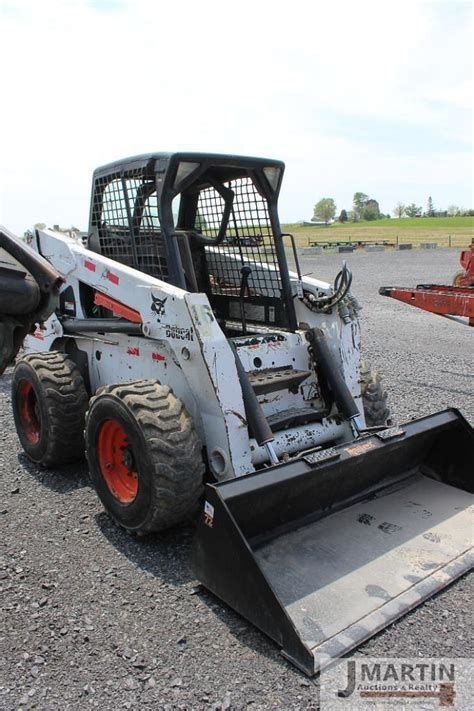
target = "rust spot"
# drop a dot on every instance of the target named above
(274, 339)
(239, 417)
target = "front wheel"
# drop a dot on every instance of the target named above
(144, 455)
(374, 397)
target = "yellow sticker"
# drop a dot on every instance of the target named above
(359, 448)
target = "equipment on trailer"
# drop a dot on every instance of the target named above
(455, 301)
(184, 347)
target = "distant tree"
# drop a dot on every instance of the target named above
(430, 211)
(371, 210)
(200, 222)
(454, 210)
(359, 201)
(388, 216)
(399, 209)
(413, 210)
(370, 213)
(39, 226)
(324, 210)
(343, 216)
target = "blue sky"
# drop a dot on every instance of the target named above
(369, 96)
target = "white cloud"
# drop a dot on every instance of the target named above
(89, 82)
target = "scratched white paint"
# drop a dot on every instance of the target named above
(185, 347)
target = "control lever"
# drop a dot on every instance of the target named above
(244, 287)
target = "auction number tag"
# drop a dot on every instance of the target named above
(208, 514)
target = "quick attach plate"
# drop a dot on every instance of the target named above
(389, 433)
(322, 455)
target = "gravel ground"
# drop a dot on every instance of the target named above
(92, 617)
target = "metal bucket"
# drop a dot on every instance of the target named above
(324, 551)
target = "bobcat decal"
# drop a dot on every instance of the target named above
(158, 307)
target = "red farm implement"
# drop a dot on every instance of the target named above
(455, 301)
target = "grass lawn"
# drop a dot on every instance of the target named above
(446, 231)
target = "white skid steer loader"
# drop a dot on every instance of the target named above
(172, 343)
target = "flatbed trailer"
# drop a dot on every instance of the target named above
(357, 243)
(455, 301)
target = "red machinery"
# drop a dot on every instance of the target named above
(451, 301)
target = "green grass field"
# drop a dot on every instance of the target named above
(446, 231)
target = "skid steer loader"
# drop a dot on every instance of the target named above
(173, 345)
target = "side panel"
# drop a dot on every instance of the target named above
(176, 323)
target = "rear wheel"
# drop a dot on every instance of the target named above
(144, 455)
(49, 401)
(459, 278)
(376, 409)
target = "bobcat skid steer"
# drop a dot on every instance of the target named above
(173, 346)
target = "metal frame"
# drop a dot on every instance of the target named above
(248, 198)
(448, 301)
(175, 338)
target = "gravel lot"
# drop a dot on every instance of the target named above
(92, 617)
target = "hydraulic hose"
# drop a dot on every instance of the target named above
(342, 284)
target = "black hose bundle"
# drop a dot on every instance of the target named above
(342, 284)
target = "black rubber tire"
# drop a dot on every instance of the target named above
(60, 403)
(376, 409)
(460, 275)
(166, 452)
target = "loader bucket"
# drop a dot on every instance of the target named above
(324, 551)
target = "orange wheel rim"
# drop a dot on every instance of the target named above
(29, 412)
(116, 461)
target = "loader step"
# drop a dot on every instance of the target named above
(274, 379)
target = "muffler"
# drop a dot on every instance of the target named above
(322, 552)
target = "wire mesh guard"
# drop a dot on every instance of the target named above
(125, 212)
(248, 242)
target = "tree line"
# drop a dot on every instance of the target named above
(412, 210)
(363, 208)
(367, 208)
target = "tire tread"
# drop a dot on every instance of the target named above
(65, 398)
(173, 447)
(376, 409)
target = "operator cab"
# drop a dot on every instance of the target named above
(205, 223)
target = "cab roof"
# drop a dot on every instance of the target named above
(162, 161)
